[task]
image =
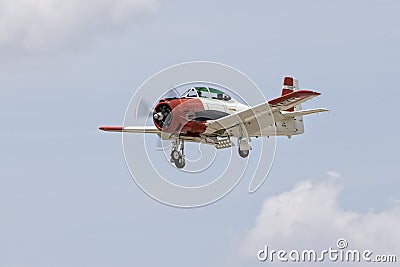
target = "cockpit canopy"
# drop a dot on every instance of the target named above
(207, 92)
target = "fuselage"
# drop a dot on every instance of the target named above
(188, 114)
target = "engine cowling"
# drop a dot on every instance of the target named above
(173, 115)
(162, 115)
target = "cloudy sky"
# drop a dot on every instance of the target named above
(66, 196)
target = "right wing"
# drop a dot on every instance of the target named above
(131, 129)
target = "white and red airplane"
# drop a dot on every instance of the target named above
(210, 116)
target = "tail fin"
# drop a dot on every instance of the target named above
(290, 85)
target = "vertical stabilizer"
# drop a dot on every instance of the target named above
(290, 85)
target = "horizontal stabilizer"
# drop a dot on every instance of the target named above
(294, 114)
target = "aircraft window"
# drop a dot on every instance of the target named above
(217, 94)
(185, 93)
(203, 92)
(192, 93)
(206, 92)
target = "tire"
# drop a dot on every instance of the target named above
(180, 163)
(244, 153)
(175, 155)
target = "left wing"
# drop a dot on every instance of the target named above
(131, 129)
(264, 111)
(290, 100)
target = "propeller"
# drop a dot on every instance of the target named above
(162, 115)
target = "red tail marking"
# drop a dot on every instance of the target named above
(286, 91)
(288, 81)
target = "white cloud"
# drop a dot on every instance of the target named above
(47, 24)
(309, 217)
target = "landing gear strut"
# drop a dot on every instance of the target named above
(177, 154)
(243, 143)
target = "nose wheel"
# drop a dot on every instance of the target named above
(244, 146)
(244, 153)
(177, 154)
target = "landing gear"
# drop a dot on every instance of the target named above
(177, 154)
(244, 153)
(243, 143)
(180, 162)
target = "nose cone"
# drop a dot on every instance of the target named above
(158, 116)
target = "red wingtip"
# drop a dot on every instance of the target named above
(111, 128)
(300, 93)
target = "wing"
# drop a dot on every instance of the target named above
(263, 115)
(246, 117)
(290, 100)
(131, 129)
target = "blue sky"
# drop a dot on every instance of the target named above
(66, 197)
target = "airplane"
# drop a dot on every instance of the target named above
(211, 116)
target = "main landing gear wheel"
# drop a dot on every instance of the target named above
(180, 162)
(177, 153)
(244, 153)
